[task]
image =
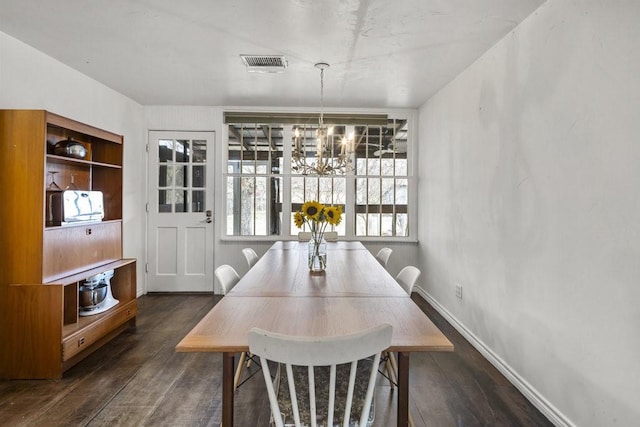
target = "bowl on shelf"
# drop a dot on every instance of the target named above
(91, 296)
(70, 148)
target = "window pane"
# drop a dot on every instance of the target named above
(402, 225)
(297, 190)
(339, 191)
(247, 206)
(361, 191)
(373, 191)
(373, 228)
(311, 189)
(386, 225)
(233, 204)
(325, 191)
(261, 207)
(361, 225)
(387, 191)
(401, 167)
(387, 167)
(402, 186)
(373, 167)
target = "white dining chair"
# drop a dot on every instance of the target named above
(331, 236)
(408, 277)
(383, 256)
(326, 378)
(251, 256)
(228, 277)
(304, 236)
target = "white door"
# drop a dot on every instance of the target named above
(180, 212)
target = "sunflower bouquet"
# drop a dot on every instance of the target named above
(317, 217)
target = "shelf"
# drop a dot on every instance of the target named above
(69, 280)
(80, 224)
(70, 160)
(86, 321)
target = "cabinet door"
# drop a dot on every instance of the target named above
(69, 250)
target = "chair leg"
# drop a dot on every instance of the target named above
(390, 372)
(236, 378)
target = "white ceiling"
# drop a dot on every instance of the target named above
(383, 54)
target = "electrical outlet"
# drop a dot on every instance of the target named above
(459, 290)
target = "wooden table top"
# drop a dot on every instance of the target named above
(225, 327)
(351, 271)
(281, 295)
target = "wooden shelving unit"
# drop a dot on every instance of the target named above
(42, 264)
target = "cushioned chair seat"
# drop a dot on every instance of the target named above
(322, 393)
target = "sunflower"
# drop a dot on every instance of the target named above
(312, 210)
(298, 219)
(333, 214)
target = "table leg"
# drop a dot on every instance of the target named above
(403, 389)
(227, 389)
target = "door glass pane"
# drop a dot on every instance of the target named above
(198, 179)
(165, 150)
(165, 176)
(198, 201)
(181, 200)
(182, 151)
(199, 151)
(181, 176)
(165, 200)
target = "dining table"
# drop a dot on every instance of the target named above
(280, 294)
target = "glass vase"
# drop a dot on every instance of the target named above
(317, 255)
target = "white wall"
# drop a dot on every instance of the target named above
(529, 177)
(30, 79)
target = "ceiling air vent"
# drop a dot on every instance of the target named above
(264, 63)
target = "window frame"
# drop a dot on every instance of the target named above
(350, 197)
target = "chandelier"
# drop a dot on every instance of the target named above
(326, 158)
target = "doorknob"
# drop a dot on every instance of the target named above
(209, 218)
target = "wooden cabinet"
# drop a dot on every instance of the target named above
(42, 263)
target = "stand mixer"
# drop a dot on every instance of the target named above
(93, 287)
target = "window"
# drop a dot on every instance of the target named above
(263, 190)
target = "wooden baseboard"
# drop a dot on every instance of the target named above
(536, 399)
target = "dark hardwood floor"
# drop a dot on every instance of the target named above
(138, 379)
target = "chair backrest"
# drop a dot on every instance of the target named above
(408, 277)
(304, 236)
(328, 355)
(251, 256)
(331, 236)
(383, 256)
(227, 276)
